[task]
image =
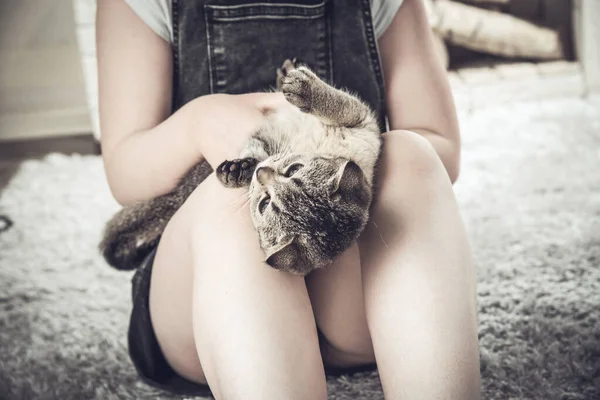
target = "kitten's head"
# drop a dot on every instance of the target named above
(307, 210)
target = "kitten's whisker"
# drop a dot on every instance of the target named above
(381, 235)
(243, 206)
(239, 207)
(235, 201)
(284, 144)
(244, 193)
(384, 242)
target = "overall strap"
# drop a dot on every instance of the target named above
(235, 46)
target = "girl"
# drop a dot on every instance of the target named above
(183, 81)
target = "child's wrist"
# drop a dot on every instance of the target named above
(219, 124)
(266, 102)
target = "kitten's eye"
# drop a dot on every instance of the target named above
(292, 170)
(262, 206)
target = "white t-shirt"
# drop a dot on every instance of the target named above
(157, 15)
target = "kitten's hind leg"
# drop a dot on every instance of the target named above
(288, 65)
(302, 88)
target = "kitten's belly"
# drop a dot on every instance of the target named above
(305, 133)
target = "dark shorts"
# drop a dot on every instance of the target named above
(146, 355)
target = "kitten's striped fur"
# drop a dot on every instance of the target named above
(309, 172)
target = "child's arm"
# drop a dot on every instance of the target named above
(146, 151)
(418, 95)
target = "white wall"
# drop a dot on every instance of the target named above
(42, 90)
(587, 41)
(85, 18)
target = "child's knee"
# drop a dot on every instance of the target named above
(408, 155)
(410, 172)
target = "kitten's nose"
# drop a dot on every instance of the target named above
(265, 175)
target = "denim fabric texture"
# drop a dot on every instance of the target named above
(235, 46)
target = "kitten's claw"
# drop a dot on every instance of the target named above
(288, 65)
(236, 173)
(297, 87)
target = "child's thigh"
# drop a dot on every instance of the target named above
(337, 300)
(172, 282)
(209, 250)
(171, 299)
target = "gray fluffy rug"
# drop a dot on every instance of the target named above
(530, 195)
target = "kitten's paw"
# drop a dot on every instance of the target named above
(288, 65)
(236, 173)
(297, 87)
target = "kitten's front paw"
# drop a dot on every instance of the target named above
(297, 87)
(236, 173)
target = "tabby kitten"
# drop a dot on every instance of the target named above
(309, 172)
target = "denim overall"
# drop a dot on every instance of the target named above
(235, 46)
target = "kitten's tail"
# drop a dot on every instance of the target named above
(5, 223)
(133, 232)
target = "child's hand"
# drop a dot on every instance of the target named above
(267, 102)
(221, 123)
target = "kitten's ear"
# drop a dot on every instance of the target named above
(284, 255)
(348, 177)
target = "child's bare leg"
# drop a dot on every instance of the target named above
(418, 284)
(419, 278)
(337, 300)
(213, 299)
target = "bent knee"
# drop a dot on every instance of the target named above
(410, 177)
(409, 167)
(408, 153)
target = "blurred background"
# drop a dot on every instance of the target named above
(525, 75)
(48, 68)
